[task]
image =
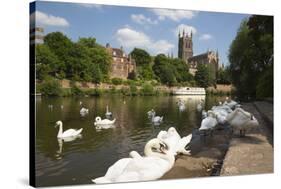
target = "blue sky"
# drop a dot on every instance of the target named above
(155, 30)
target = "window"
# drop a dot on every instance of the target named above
(122, 60)
(114, 53)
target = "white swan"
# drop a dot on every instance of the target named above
(156, 119)
(204, 114)
(134, 154)
(151, 113)
(68, 133)
(221, 115)
(240, 119)
(156, 162)
(209, 122)
(182, 107)
(175, 143)
(108, 113)
(84, 111)
(99, 121)
(182, 143)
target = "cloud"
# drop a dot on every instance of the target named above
(186, 28)
(175, 15)
(42, 18)
(130, 38)
(141, 19)
(86, 5)
(205, 37)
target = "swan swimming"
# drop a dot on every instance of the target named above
(67, 133)
(156, 162)
(151, 113)
(209, 122)
(156, 119)
(240, 119)
(99, 121)
(84, 111)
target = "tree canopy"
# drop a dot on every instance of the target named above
(251, 56)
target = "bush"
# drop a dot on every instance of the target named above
(133, 90)
(51, 87)
(76, 91)
(147, 89)
(117, 81)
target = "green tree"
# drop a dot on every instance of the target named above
(251, 55)
(47, 63)
(202, 76)
(143, 62)
(51, 87)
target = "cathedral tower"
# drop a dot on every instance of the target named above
(185, 46)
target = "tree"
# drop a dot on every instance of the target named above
(251, 55)
(143, 62)
(202, 76)
(47, 63)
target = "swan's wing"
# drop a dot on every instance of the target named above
(183, 142)
(115, 170)
(69, 132)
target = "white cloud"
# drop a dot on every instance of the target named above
(98, 6)
(141, 19)
(205, 37)
(175, 15)
(130, 38)
(42, 18)
(186, 28)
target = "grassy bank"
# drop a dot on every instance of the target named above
(65, 88)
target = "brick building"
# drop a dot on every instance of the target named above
(122, 64)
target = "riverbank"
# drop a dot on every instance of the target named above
(65, 87)
(226, 155)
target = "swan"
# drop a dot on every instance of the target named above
(108, 113)
(151, 113)
(220, 115)
(156, 119)
(99, 121)
(80, 103)
(134, 154)
(84, 110)
(156, 162)
(240, 119)
(68, 133)
(182, 143)
(181, 107)
(175, 143)
(61, 106)
(204, 114)
(209, 122)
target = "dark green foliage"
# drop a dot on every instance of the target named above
(265, 84)
(116, 81)
(82, 61)
(251, 54)
(147, 89)
(223, 76)
(76, 91)
(202, 76)
(133, 90)
(143, 62)
(51, 87)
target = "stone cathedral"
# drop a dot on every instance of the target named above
(185, 52)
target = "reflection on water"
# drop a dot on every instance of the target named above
(78, 160)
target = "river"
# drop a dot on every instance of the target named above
(60, 162)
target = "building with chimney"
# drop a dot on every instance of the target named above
(122, 64)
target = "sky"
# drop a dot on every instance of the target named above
(155, 30)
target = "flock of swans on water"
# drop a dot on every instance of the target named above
(160, 152)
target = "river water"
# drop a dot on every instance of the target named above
(89, 156)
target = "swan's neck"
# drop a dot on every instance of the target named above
(106, 109)
(60, 130)
(168, 156)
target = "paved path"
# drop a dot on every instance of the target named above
(252, 154)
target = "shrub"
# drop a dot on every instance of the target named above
(147, 89)
(133, 90)
(117, 81)
(76, 91)
(51, 87)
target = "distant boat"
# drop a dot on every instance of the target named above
(189, 91)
